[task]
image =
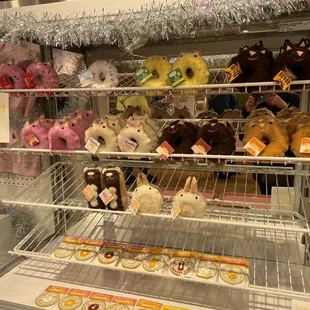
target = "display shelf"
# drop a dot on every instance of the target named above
(274, 256)
(232, 193)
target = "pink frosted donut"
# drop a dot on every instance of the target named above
(44, 74)
(46, 123)
(15, 73)
(23, 64)
(78, 126)
(34, 136)
(61, 137)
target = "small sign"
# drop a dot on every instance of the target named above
(305, 145)
(164, 150)
(4, 118)
(32, 139)
(6, 82)
(175, 210)
(176, 77)
(300, 305)
(254, 146)
(285, 78)
(134, 206)
(129, 145)
(233, 71)
(88, 192)
(201, 147)
(106, 196)
(86, 79)
(30, 80)
(92, 145)
(143, 75)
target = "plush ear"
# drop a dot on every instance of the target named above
(281, 50)
(197, 52)
(187, 185)
(42, 116)
(286, 42)
(27, 123)
(303, 43)
(90, 112)
(66, 124)
(139, 180)
(56, 122)
(36, 123)
(85, 169)
(145, 181)
(50, 62)
(259, 43)
(11, 62)
(181, 54)
(245, 48)
(288, 47)
(194, 186)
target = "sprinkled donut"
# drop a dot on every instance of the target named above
(34, 136)
(15, 74)
(104, 69)
(109, 256)
(94, 305)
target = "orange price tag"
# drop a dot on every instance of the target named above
(147, 304)
(128, 145)
(134, 206)
(32, 139)
(175, 210)
(233, 71)
(305, 145)
(164, 150)
(254, 146)
(201, 147)
(285, 78)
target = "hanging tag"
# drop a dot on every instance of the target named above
(201, 147)
(164, 150)
(86, 78)
(4, 118)
(92, 145)
(233, 71)
(134, 206)
(285, 78)
(175, 210)
(129, 146)
(143, 75)
(106, 196)
(32, 139)
(254, 146)
(88, 192)
(176, 77)
(30, 80)
(6, 82)
(305, 145)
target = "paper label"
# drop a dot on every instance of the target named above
(164, 150)
(6, 82)
(124, 301)
(201, 147)
(102, 297)
(88, 193)
(134, 206)
(147, 304)
(86, 79)
(173, 308)
(32, 139)
(176, 77)
(129, 146)
(30, 80)
(184, 254)
(305, 145)
(285, 78)
(93, 242)
(81, 293)
(175, 210)
(254, 146)
(233, 71)
(92, 145)
(143, 75)
(106, 196)
(4, 118)
(57, 289)
(74, 240)
(300, 305)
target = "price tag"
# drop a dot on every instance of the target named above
(285, 78)
(300, 305)
(164, 150)
(305, 145)
(233, 71)
(129, 146)
(201, 147)
(134, 206)
(143, 75)
(88, 192)
(32, 139)
(6, 82)
(254, 146)
(4, 118)
(176, 77)
(86, 79)
(106, 196)
(92, 145)
(30, 80)
(175, 211)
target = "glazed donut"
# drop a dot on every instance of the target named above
(61, 137)
(194, 69)
(262, 112)
(181, 114)
(159, 66)
(15, 74)
(181, 136)
(105, 135)
(44, 74)
(34, 136)
(297, 121)
(219, 136)
(302, 132)
(208, 115)
(160, 113)
(104, 69)
(23, 64)
(269, 131)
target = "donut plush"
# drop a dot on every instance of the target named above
(12, 74)
(160, 113)
(181, 114)
(262, 112)
(194, 70)
(159, 66)
(46, 123)
(104, 134)
(87, 118)
(44, 75)
(219, 136)
(61, 137)
(269, 131)
(297, 121)
(105, 74)
(78, 126)
(232, 114)
(34, 136)
(287, 113)
(208, 115)
(113, 122)
(296, 140)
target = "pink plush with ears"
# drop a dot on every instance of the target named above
(74, 114)
(87, 118)
(33, 132)
(61, 137)
(46, 123)
(78, 125)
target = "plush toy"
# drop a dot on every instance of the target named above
(181, 113)
(34, 136)
(92, 178)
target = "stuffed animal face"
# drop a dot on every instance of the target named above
(110, 177)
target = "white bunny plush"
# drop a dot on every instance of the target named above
(191, 202)
(147, 195)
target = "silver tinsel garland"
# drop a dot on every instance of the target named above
(132, 29)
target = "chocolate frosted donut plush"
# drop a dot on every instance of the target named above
(181, 136)
(269, 131)
(296, 141)
(208, 115)
(12, 76)
(34, 136)
(263, 112)
(181, 114)
(232, 114)
(219, 136)
(161, 113)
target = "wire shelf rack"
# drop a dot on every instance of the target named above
(276, 258)
(245, 196)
